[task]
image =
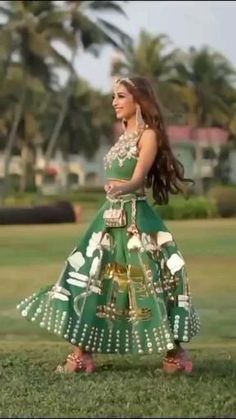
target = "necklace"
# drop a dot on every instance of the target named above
(125, 136)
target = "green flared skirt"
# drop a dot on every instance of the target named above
(121, 290)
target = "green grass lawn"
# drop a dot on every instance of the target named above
(32, 256)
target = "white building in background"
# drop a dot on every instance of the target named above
(79, 171)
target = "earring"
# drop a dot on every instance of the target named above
(140, 124)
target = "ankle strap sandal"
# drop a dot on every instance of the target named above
(77, 363)
(177, 363)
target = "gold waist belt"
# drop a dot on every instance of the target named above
(127, 198)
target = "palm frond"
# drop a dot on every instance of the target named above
(122, 37)
(107, 6)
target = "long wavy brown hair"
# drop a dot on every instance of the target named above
(166, 175)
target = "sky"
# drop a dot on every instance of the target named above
(186, 23)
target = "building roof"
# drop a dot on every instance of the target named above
(211, 135)
(178, 133)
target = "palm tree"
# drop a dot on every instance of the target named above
(152, 58)
(84, 123)
(204, 78)
(91, 32)
(31, 27)
(88, 122)
(147, 58)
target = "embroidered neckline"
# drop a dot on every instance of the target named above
(131, 136)
(125, 148)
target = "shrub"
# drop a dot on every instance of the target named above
(181, 209)
(224, 197)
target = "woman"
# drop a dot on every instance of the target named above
(124, 288)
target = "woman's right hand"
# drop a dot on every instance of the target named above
(107, 187)
(114, 189)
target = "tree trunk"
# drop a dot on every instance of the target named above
(198, 148)
(11, 142)
(199, 180)
(61, 117)
(5, 65)
(27, 160)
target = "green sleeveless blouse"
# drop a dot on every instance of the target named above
(121, 159)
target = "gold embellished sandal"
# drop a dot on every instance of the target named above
(77, 363)
(178, 362)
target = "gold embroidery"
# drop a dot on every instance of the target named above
(125, 279)
(124, 149)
